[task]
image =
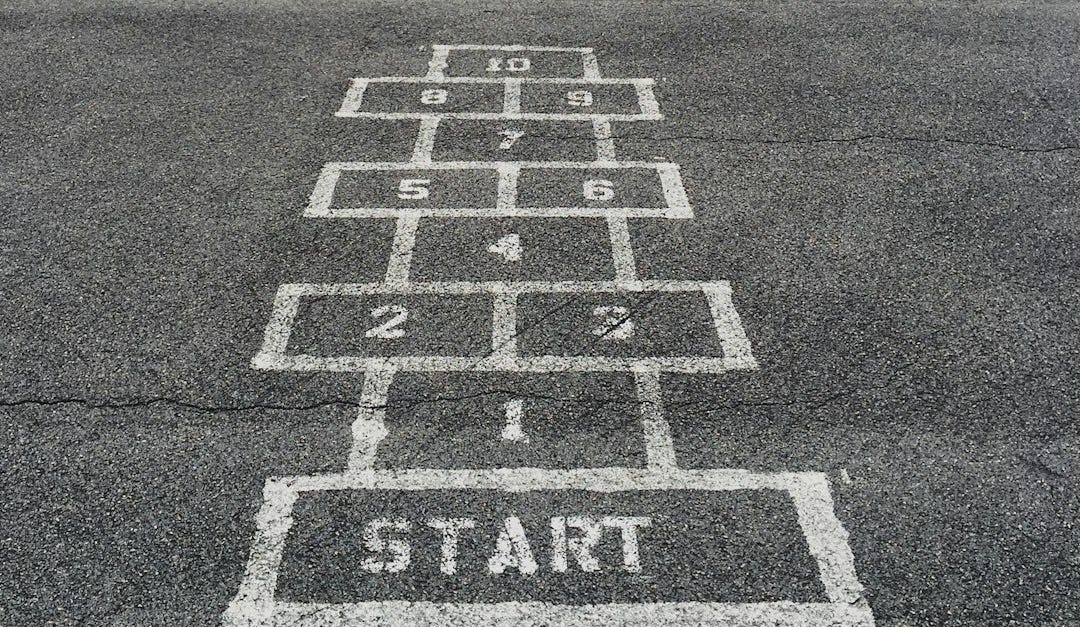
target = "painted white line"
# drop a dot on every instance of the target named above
(512, 97)
(504, 331)
(353, 98)
(826, 538)
(437, 65)
(425, 140)
(591, 67)
(369, 427)
(506, 195)
(322, 195)
(621, 250)
(537, 614)
(508, 247)
(647, 99)
(503, 287)
(497, 363)
(620, 117)
(674, 193)
(279, 328)
(661, 168)
(513, 48)
(397, 268)
(495, 212)
(254, 602)
(605, 145)
(659, 449)
(512, 431)
(643, 82)
(729, 328)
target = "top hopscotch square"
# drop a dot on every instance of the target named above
(477, 82)
(512, 62)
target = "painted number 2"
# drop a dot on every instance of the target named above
(389, 330)
(616, 324)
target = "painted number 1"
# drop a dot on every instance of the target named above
(433, 96)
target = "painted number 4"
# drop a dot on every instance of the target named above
(616, 324)
(389, 330)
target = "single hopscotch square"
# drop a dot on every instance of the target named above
(514, 140)
(507, 420)
(512, 249)
(541, 547)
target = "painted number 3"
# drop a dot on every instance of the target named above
(616, 324)
(389, 330)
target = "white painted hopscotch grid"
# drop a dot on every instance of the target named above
(255, 604)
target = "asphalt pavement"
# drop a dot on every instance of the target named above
(890, 189)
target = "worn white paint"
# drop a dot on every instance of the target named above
(659, 448)
(605, 145)
(369, 427)
(573, 537)
(825, 536)
(397, 268)
(425, 140)
(354, 97)
(622, 253)
(320, 204)
(508, 247)
(512, 430)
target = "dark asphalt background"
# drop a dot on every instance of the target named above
(892, 189)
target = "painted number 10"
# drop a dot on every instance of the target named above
(516, 64)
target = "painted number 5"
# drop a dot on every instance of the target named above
(388, 330)
(598, 189)
(413, 189)
(616, 324)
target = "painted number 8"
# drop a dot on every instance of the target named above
(598, 189)
(579, 98)
(433, 96)
(516, 64)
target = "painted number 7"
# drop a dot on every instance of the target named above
(509, 137)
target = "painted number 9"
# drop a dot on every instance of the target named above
(433, 96)
(579, 98)
(598, 189)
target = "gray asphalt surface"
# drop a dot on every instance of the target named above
(892, 190)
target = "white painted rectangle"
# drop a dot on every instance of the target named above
(826, 539)
(322, 202)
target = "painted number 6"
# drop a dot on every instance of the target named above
(598, 189)
(388, 330)
(433, 96)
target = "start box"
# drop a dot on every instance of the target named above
(543, 547)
